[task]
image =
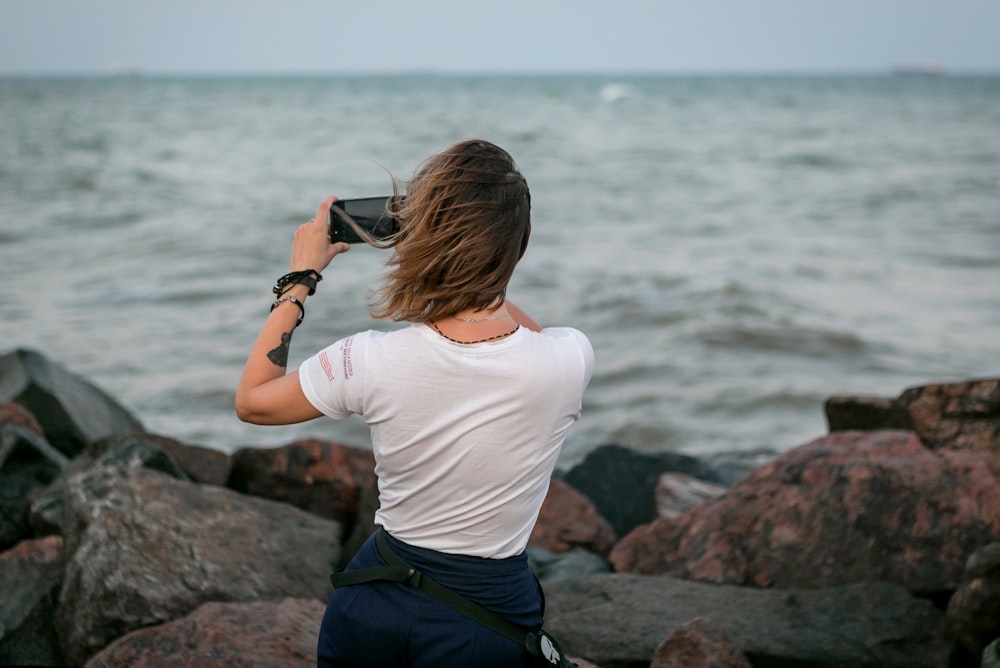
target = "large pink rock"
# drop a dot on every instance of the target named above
(849, 507)
(568, 520)
(946, 416)
(261, 634)
(321, 477)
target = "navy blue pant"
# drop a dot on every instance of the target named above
(387, 624)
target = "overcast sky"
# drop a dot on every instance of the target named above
(320, 36)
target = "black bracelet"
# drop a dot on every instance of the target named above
(294, 300)
(308, 278)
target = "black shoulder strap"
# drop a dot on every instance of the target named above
(538, 644)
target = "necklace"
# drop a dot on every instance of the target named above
(469, 343)
(495, 316)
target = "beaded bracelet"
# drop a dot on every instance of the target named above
(294, 300)
(308, 278)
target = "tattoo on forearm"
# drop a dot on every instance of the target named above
(279, 355)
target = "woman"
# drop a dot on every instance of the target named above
(468, 408)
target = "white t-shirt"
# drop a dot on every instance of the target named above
(465, 437)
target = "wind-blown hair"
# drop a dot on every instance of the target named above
(463, 226)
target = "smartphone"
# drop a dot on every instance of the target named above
(368, 212)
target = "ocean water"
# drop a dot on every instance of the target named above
(737, 248)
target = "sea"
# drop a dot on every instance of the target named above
(737, 248)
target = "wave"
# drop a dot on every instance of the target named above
(788, 340)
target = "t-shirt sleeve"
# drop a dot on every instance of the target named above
(333, 379)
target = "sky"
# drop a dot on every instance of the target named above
(54, 37)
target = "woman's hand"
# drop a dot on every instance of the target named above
(311, 248)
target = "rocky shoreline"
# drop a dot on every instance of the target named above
(875, 545)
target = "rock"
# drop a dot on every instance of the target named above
(201, 464)
(620, 482)
(865, 413)
(568, 520)
(27, 465)
(946, 416)
(620, 620)
(991, 655)
(556, 567)
(849, 507)
(260, 634)
(123, 453)
(364, 525)
(320, 477)
(677, 493)
(698, 644)
(71, 410)
(147, 548)
(974, 610)
(30, 574)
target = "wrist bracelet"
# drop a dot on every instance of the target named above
(294, 300)
(308, 278)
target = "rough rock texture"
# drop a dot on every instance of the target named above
(946, 416)
(568, 520)
(27, 465)
(260, 634)
(147, 548)
(974, 611)
(677, 493)
(320, 477)
(619, 620)
(620, 482)
(123, 453)
(698, 644)
(30, 574)
(555, 567)
(71, 410)
(849, 507)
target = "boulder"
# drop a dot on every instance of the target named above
(677, 493)
(619, 620)
(258, 634)
(147, 548)
(620, 482)
(991, 655)
(974, 611)
(123, 453)
(27, 465)
(568, 520)
(71, 410)
(946, 416)
(698, 644)
(849, 507)
(30, 574)
(320, 477)
(364, 524)
(551, 567)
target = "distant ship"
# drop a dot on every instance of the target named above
(919, 70)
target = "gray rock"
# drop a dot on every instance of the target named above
(552, 567)
(620, 482)
(619, 620)
(30, 574)
(147, 548)
(124, 454)
(71, 410)
(27, 465)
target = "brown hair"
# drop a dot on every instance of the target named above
(463, 227)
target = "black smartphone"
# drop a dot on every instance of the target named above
(370, 213)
